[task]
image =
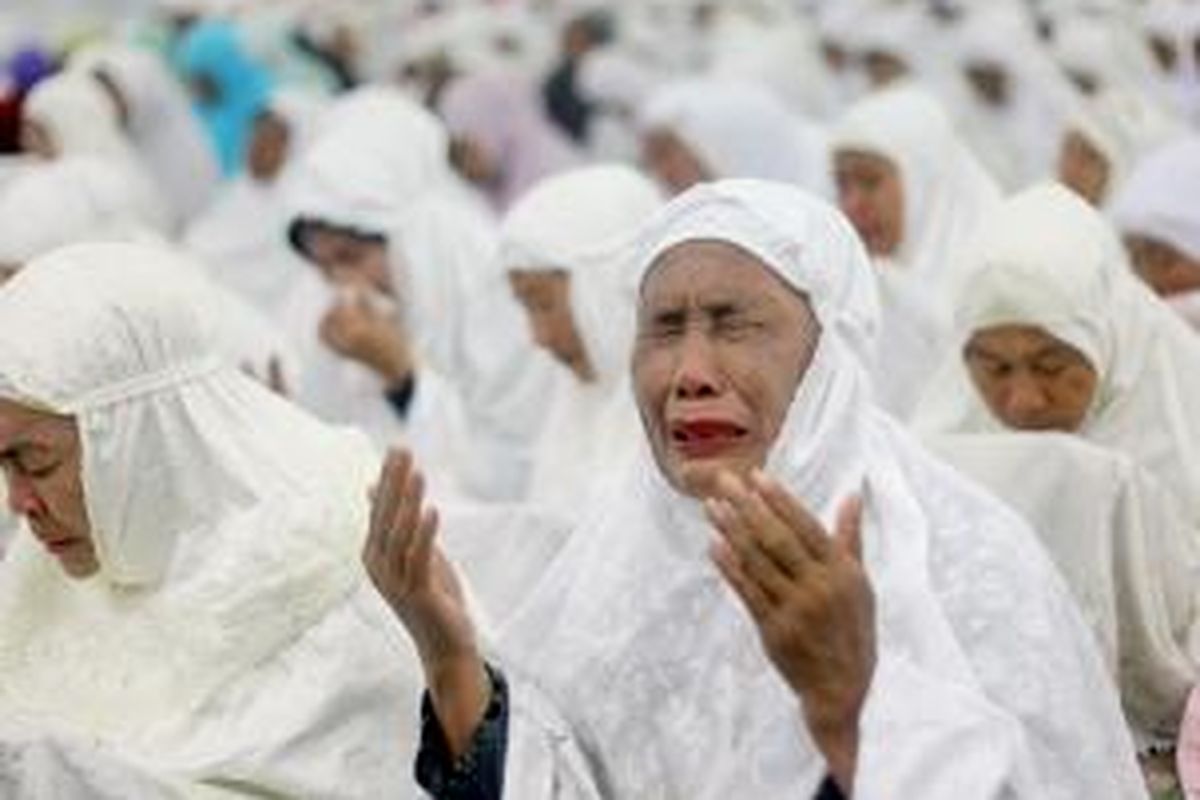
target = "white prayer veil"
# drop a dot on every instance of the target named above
(82, 121)
(66, 200)
(946, 194)
(161, 124)
(1161, 199)
(585, 223)
(380, 167)
(1048, 259)
(633, 615)
(739, 129)
(226, 522)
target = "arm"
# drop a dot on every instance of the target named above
(414, 577)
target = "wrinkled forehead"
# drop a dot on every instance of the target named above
(20, 423)
(705, 267)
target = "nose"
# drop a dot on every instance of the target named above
(697, 375)
(23, 500)
(1025, 400)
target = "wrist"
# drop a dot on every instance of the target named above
(835, 732)
(460, 692)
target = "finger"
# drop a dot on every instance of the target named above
(848, 531)
(769, 531)
(392, 476)
(755, 564)
(756, 602)
(420, 555)
(407, 518)
(807, 529)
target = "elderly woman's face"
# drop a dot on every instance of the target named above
(672, 163)
(722, 344)
(871, 195)
(1029, 379)
(39, 454)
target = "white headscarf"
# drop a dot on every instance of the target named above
(584, 222)
(1016, 140)
(68, 200)
(1161, 198)
(1124, 126)
(164, 129)
(226, 523)
(633, 610)
(947, 192)
(380, 167)
(1125, 548)
(82, 121)
(255, 261)
(740, 130)
(946, 195)
(1048, 259)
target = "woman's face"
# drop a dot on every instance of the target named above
(349, 260)
(722, 344)
(1083, 168)
(675, 165)
(40, 459)
(871, 195)
(473, 161)
(883, 68)
(268, 149)
(1029, 379)
(545, 296)
(1166, 269)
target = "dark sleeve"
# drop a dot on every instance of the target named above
(479, 773)
(400, 397)
(829, 791)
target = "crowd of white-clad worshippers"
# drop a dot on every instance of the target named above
(579, 400)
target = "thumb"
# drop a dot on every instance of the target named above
(848, 531)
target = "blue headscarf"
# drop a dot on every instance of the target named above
(212, 50)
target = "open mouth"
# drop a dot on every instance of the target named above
(703, 438)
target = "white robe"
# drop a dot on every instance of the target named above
(228, 640)
(1125, 549)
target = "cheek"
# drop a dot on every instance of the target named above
(1076, 390)
(651, 370)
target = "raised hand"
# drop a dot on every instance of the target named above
(356, 329)
(810, 598)
(408, 569)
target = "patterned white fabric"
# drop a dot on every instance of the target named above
(1125, 548)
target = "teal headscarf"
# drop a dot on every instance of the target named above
(213, 51)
